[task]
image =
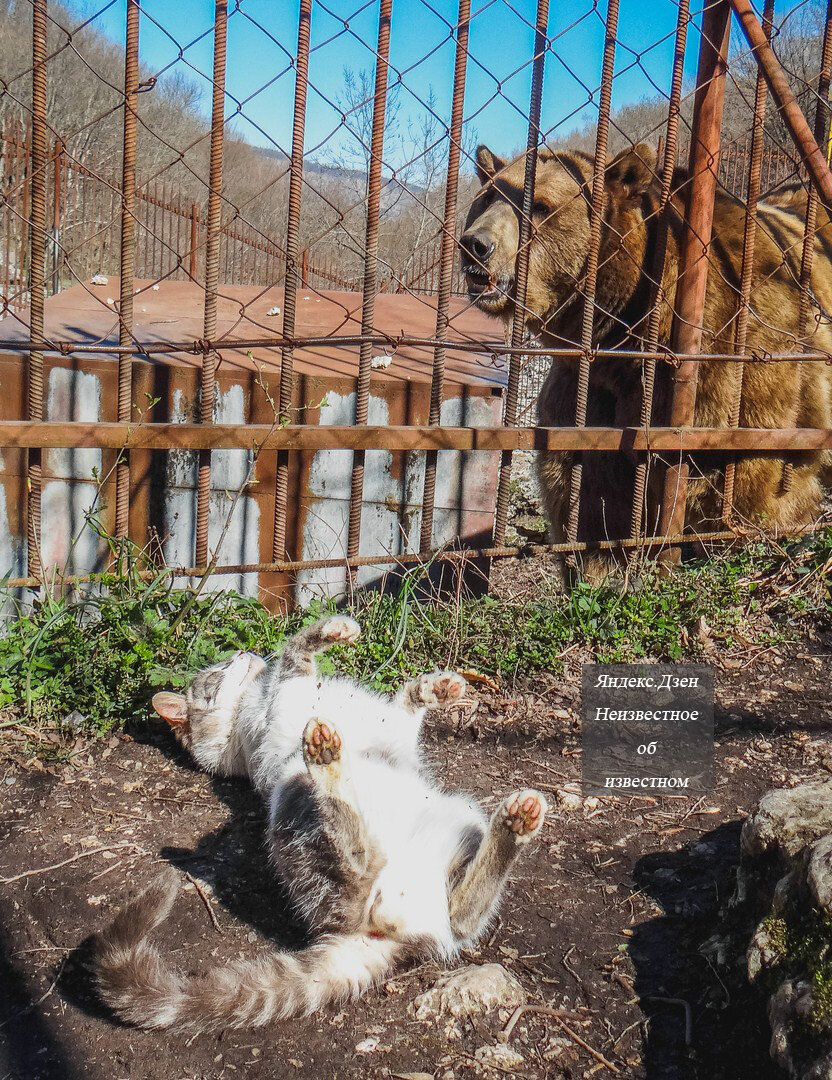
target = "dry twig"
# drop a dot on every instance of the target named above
(74, 858)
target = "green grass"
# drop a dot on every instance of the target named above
(103, 655)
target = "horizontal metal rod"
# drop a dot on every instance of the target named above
(48, 435)
(386, 559)
(393, 342)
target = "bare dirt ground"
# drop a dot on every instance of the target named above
(614, 915)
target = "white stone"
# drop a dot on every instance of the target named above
(99, 279)
(500, 1057)
(470, 991)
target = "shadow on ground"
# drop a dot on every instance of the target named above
(694, 954)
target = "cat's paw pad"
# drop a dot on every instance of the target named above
(339, 630)
(321, 743)
(439, 688)
(524, 813)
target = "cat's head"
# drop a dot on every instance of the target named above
(205, 711)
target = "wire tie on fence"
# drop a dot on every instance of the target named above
(146, 85)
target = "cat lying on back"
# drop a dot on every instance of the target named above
(381, 864)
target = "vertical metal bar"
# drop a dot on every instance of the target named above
(810, 224)
(591, 278)
(292, 279)
(128, 255)
(696, 239)
(207, 384)
(521, 270)
(792, 115)
(368, 305)
(748, 250)
(26, 213)
(37, 256)
(667, 163)
(57, 247)
(447, 251)
(820, 131)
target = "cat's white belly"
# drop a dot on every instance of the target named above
(364, 720)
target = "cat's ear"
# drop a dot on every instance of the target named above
(171, 707)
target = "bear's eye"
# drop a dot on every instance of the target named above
(542, 209)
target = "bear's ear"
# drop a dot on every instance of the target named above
(171, 707)
(630, 174)
(488, 164)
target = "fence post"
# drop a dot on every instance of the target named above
(693, 257)
(37, 256)
(207, 382)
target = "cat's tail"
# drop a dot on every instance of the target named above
(142, 989)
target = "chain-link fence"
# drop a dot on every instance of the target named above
(646, 287)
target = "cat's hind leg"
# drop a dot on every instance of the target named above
(298, 656)
(517, 820)
(433, 690)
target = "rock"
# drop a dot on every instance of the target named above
(99, 279)
(763, 952)
(569, 800)
(379, 363)
(273, 311)
(819, 873)
(500, 1057)
(788, 819)
(470, 991)
(76, 720)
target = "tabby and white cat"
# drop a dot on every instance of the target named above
(381, 864)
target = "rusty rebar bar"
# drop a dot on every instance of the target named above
(521, 267)
(292, 279)
(666, 161)
(128, 255)
(464, 555)
(591, 275)
(747, 272)
(208, 371)
(37, 271)
(368, 304)
(692, 281)
(447, 253)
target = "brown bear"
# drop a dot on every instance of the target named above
(781, 394)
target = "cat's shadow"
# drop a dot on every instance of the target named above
(233, 858)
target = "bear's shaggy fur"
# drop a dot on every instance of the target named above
(774, 395)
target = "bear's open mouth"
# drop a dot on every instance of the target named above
(481, 285)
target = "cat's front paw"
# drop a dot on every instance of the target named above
(437, 689)
(321, 744)
(523, 814)
(339, 630)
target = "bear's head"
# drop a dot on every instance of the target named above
(560, 236)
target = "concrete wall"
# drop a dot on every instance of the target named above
(79, 483)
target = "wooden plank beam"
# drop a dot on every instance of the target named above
(115, 436)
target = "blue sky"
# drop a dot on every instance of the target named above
(262, 34)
